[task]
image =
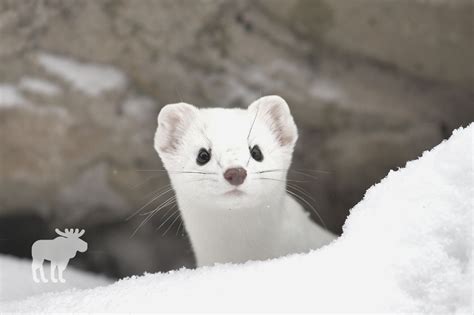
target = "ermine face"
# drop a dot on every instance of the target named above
(227, 158)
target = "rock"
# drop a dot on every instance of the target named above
(427, 38)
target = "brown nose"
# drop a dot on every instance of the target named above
(235, 176)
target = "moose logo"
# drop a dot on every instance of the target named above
(58, 251)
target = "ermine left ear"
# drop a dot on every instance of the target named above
(173, 122)
(275, 113)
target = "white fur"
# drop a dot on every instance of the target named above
(263, 222)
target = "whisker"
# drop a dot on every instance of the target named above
(250, 131)
(282, 180)
(163, 205)
(285, 170)
(169, 217)
(192, 172)
(301, 170)
(253, 122)
(140, 225)
(170, 210)
(309, 204)
(301, 190)
(172, 223)
(313, 170)
(141, 208)
(155, 191)
(168, 188)
(304, 174)
(178, 172)
(179, 227)
(203, 179)
(169, 185)
(269, 171)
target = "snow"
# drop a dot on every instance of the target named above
(91, 79)
(39, 86)
(406, 247)
(16, 282)
(11, 97)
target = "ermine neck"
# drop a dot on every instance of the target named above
(223, 235)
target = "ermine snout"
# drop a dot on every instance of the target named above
(235, 176)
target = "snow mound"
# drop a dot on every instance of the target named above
(406, 247)
(91, 79)
(16, 282)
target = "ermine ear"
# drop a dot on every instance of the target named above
(173, 120)
(275, 113)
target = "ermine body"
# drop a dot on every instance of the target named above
(228, 168)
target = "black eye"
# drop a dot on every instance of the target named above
(203, 157)
(256, 153)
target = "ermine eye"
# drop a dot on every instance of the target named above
(203, 157)
(256, 153)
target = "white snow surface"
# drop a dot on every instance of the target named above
(40, 86)
(16, 282)
(11, 97)
(406, 247)
(91, 79)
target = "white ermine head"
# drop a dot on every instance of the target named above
(227, 158)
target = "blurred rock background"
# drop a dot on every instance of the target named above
(371, 84)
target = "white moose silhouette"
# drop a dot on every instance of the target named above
(58, 251)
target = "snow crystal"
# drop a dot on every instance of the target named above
(40, 86)
(11, 97)
(406, 248)
(91, 79)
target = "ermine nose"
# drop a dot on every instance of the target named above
(235, 176)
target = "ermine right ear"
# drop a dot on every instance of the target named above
(275, 113)
(173, 120)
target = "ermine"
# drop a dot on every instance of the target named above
(228, 168)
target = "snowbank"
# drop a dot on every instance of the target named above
(406, 247)
(16, 282)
